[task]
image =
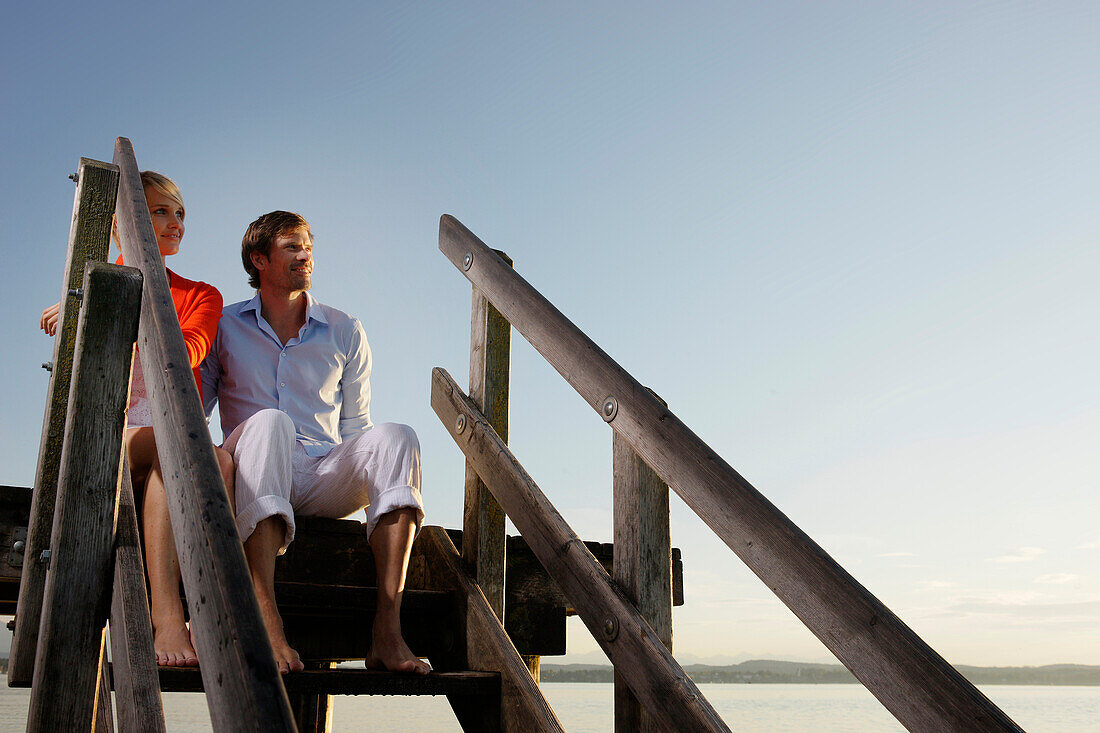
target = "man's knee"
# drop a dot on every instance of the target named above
(275, 422)
(397, 435)
(264, 428)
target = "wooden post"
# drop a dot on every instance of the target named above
(908, 677)
(643, 564)
(483, 541)
(244, 690)
(137, 687)
(523, 708)
(89, 240)
(313, 711)
(653, 675)
(77, 594)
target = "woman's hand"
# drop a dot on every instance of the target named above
(48, 322)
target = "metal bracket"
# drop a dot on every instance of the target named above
(18, 547)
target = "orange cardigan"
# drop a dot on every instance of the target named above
(199, 307)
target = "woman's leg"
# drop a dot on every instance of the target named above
(171, 639)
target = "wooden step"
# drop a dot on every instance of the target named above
(355, 682)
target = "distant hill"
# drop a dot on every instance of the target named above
(762, 671)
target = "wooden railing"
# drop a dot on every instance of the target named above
(912, 681)
(61, 615)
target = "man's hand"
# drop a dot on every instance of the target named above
(48, 322)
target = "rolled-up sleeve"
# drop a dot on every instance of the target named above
(355, 384)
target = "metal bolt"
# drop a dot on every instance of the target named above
(609, 409)
(18, 545)
(45, 557)
(460, 424)
(77, 293)
(467, 261)
(74, 177)
(48, 366)
(610, 628)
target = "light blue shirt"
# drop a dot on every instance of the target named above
(320, 378)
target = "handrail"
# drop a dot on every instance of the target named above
(654, 676)
(244, 690)
(909, 678)
(89, 240)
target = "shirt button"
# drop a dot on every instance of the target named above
(282, 384)
(283, 354)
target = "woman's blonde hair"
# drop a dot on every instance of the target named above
(163, 184)
(159, 182)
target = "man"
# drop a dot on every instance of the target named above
(292, 379)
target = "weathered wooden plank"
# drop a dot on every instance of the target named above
(243, 688)
(911, 680)
(77, 595)
(653, 675)
(643, 564)
(436, 565)
(357, 682)
(483, 546)
(89, 240)
(137, 687)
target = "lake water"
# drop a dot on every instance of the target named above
(587, 708)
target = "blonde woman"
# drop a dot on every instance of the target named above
(199, 307)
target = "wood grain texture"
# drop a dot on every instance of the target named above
(137, 688)
(89, 241)
(244, 690)
(77, 595)
(643, 564)
(483, 541)
(911, 680)
(436, 565)
(654, 677)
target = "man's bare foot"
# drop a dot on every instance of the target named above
(390, 652)
(287, 659)
(173, 646)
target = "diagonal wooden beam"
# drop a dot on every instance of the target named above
(244, 690)
(655, 678)
(908, 677)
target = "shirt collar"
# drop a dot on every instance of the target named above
(314, 311)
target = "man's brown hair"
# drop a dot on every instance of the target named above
(263, 232)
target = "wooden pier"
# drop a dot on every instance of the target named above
(482, 607)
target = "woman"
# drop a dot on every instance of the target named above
(199, 307)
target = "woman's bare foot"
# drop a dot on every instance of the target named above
(390, 652)
(287, 659)
(173, 646)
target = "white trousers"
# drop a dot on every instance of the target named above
(378, 470)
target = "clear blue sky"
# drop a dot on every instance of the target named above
(853, 245)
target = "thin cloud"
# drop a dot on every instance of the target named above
(1059, 578)
(898, 554)
(1049, 611)
(1024, 554)
(1095, 545)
